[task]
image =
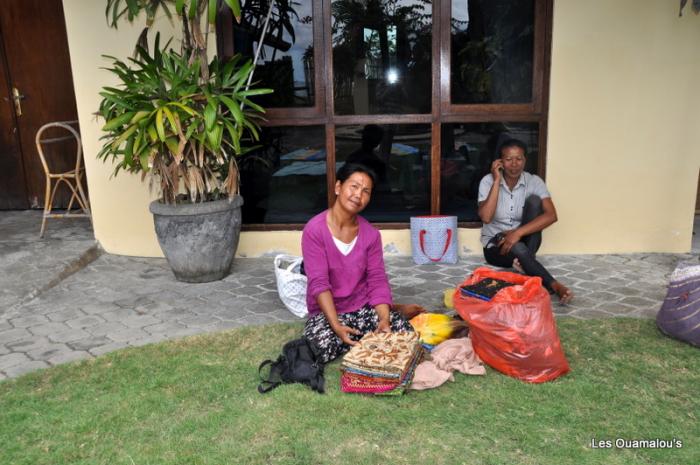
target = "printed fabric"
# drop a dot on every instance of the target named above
(356, 381)
(364, 320)
(385, 353)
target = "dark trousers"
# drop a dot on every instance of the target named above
(526, 249)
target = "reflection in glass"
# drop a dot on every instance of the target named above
(284, 181)
(400, 156)
(381, 56)
(286, 62)
(467, 153)
(492, 50)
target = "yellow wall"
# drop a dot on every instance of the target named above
(622, 157)
(396, 242)
(122, 222)
(622, 164)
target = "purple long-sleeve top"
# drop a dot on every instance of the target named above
(355, 279)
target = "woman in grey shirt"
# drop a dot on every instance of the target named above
(515, 207)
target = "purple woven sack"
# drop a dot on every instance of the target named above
(679, 316)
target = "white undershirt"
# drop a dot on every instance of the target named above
(344, 247)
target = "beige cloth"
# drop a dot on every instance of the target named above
(453, 354)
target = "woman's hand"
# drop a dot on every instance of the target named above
(497, 170)
(384, 326)
(510, 238)
(344, 332)
(384, 316)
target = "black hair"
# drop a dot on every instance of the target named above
(512, 143)
(348, 169)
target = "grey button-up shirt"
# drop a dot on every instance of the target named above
(509, 210)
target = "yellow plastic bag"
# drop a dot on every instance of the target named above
(448, 297)
(433, 328)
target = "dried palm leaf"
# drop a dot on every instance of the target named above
(232, 181)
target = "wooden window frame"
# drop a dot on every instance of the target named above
(442, 110)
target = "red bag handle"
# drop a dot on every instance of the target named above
(421, 238)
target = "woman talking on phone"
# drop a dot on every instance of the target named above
(515, 206)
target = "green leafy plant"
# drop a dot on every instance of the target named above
(175, 117)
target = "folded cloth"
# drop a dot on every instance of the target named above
(359, 382)
(381, 372)
(354, 382)
(453, 354)
(407, 379)
(387, 354)
(372, 374)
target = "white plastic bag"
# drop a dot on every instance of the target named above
(291, 284)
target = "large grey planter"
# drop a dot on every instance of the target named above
(199, 240)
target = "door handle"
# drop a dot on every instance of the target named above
(17, 97)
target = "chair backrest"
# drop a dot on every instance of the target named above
(66, 125)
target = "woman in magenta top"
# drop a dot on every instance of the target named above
(348, 291)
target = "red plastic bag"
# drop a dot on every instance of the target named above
(515, 332)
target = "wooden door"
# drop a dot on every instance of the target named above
(36, 62)
(13, 194)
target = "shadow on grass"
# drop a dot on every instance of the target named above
(194, 401)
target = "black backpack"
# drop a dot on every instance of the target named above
(299, 363)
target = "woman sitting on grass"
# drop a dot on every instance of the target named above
(348, 292)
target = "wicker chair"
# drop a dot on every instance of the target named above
(73, 178)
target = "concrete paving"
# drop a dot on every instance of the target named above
(64, 300)
(29, 265)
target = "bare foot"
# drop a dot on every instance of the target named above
(518, 267)
(564, 293)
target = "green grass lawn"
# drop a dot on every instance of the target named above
(194, 401)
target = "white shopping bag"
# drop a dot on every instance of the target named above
(291, 284)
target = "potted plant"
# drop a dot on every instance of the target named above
(181, 121)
